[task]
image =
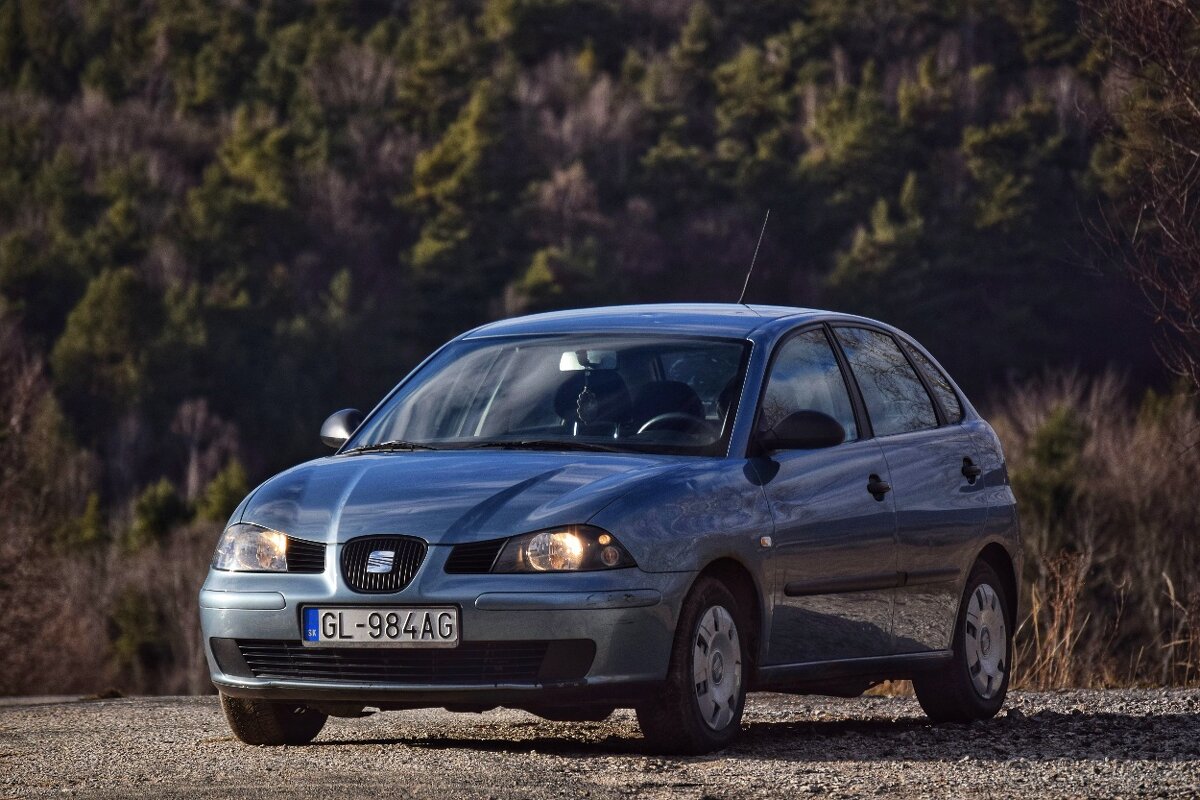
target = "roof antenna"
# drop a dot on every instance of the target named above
(749, 272)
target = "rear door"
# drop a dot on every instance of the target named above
(940, 505)
(834, 542)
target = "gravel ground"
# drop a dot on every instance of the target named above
(1065, 744)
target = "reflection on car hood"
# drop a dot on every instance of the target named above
(444, 497)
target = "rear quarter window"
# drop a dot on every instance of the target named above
(940, 384)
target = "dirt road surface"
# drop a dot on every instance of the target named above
(1067, 744)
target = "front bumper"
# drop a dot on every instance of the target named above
(628, 616)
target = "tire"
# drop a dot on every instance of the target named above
(700, 709)
(974, 682)
(271, 723)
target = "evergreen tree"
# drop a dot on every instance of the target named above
(102, 363)
(463, 255)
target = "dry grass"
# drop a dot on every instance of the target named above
(1111, 530)
(110, 620)
(1049, 636)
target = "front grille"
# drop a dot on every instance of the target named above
(408, 553)
(469, 663)
(302, 556)
(474, 557)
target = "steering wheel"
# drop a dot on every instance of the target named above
(675, 421)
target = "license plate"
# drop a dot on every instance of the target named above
(381, 627)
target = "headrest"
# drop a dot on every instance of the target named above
(727, 396)
(611, 394)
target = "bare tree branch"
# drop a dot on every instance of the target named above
(1157, 42)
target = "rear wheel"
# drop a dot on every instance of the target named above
(974, 682)
(269, 722)
(700, 709)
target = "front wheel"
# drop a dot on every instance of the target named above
(269, 722)
(973, 683)
(700, 709)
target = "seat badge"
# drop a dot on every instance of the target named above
(380, 561)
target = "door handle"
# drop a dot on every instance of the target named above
(971, 471)
(878, 488)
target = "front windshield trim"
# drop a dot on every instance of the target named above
(719, 448)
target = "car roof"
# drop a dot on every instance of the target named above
(709, 319)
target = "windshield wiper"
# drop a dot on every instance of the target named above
(547, 444)
(394, 444)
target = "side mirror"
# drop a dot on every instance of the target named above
(337, 428)
(804, 430)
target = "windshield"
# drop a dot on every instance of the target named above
(596, 392)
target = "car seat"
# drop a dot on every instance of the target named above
(608, 409)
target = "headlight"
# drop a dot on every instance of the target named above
(249, 548)
(573, 548)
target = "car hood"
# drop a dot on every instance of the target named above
(444, 497)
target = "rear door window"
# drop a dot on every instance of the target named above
(895, 398)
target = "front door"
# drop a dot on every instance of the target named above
(834, 541)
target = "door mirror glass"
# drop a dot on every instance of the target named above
(339, 425)
(804, 430)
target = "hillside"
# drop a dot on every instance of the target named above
(220, 221)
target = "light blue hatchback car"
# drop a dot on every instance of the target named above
(657, 507)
